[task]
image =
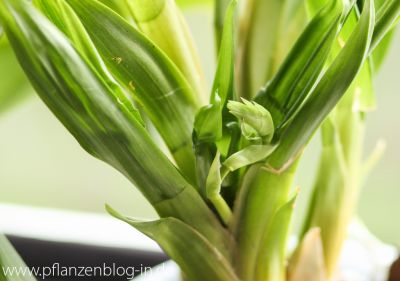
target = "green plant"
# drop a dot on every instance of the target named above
(222, 187)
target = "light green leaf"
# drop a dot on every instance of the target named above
(220, 10)
(257, 123)
(162, 22)
(15, 88)
(185, 245)
(104, 126)
(327, 92)
(224, 83)
(304, 64)
(266, 36)
(213, 190)
(10, 261)
(151, 77)
(271, 261)
(208, 123)
(386, 18)
(247, 156)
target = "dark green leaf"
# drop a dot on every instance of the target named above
(328, 92)
(302, 67)
(185, 245)
(386, 17)
(106, 127)
(152, 78)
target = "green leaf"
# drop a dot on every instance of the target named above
(151, 77)
(185, 245)
(302, 67)
(97, 118)
(224, 83)
(119, 6)
(15, 88)
(268, 31)
(381, 50)
(257, 123)
(213, 190)
(10, 261)
(208, 123)
(162, 22)
(62, 15)
(247, 156)
(220, 10)
(271, 262)
(327, 92)
(386, 18)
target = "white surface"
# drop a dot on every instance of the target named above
(75, 227)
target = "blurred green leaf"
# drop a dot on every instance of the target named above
(224, 83)
(271, 261)
(386, 18)
(308, 261)
(327, 92)
(189, 3)
(151, 77)
(220, 10)
(163, 23)
(119, 6)
(208, 123)
(11, 262)
(185, 245)
(302, 67)
(15, 88)
(381, 50)
(268, 31)
(104, 126)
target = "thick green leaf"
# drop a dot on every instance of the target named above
(327, 92)
(256, 204)
(152, 78)
(106, 127)
(386, 17)
(224, 84)
(162, 22)
(119, 6)
(11, 263)
(62, 15)
(271, 262)
(302, 67)
(268, 31)
(185, 245)
(220, 9)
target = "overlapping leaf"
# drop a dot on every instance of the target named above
(151, 77)
(302, 67)
(104, 125)
(328, 92)
(185, 245)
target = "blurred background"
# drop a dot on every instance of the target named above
(42, 165)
